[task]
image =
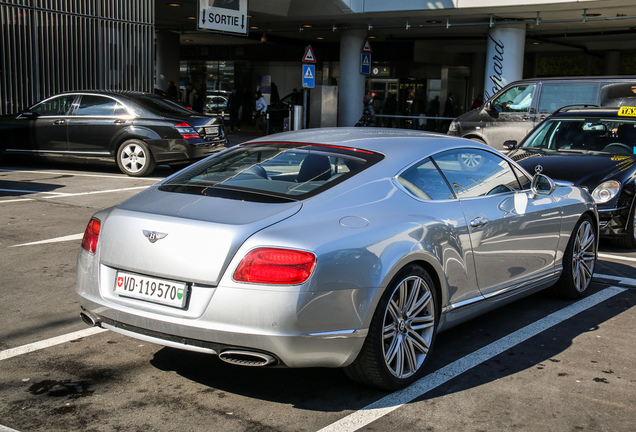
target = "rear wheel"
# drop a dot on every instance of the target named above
(401, 334)
(578, 261)
(134, 158)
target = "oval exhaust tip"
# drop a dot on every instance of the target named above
(247, 358)
(89, 320)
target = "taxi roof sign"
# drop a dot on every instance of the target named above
(309, 56)
(627, 111)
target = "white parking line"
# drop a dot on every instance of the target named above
(66, 173)
(618, 279)
(616, 257)
(390, 403)
(6, 429)
(35, 346)
(66, 195)
(71, 237)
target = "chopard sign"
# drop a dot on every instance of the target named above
(496, 76)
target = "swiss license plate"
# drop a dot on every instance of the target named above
(211, 130)
(151, 289)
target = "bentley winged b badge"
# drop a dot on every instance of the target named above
(153, 236)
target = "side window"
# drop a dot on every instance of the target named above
(58, 106)
(425, 182)
(474, 172)
(557, 95)
(515, 99)
(524, 180)
(96, 106)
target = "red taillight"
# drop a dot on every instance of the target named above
(91, 235)
(275, 266)
(187, 131)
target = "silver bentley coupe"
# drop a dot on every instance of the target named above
(345, 247)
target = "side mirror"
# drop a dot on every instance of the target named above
(542, 185)
(510, 144)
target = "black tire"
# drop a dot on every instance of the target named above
(135, 159)
(628, 241)
(401, 334)
(579, 261)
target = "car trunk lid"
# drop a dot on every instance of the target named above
(183, 237)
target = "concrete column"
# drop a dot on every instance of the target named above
(504, 58)
(167, 51)
(612, 62)
(351, 83)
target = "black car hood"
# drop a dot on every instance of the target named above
(581, 169)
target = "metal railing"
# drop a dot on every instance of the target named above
(420, 122)
(51, 46)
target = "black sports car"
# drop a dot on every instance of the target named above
(594, 148)
(137, 130)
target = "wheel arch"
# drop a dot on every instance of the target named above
(428, 263)
(132, 132)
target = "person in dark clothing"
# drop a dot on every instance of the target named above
(390, 108)
(449, 107)
(233, 106)
(449, 111)
(172, 90)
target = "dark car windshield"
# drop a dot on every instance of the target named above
(588, 134)
(161, 106)
(272, 172)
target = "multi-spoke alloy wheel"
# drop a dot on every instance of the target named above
(409, 324)
(134, 158)
(579, 260)
(401, 334)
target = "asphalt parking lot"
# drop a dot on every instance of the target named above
(540, 364)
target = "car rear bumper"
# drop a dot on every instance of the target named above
(297, 328)
(180, 150)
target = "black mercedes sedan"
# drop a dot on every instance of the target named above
(594, 148)
(137, 130)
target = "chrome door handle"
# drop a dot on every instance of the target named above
(120, 121)
(479, 222)
(59, 122)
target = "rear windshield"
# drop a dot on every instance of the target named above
(272, 172)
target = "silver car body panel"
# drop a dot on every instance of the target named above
(323, 322)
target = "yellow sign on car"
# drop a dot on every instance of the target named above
(627, 111)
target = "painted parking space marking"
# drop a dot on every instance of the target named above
(392, 402)
(71, 237)
(67, 195)
(616, 257)
(35, 346)
(30, 191)
(631, 282)
(67, 173)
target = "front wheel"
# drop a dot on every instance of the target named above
(134, 158)
(578, 261)
(401, 334)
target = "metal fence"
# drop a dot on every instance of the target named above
(50, 46)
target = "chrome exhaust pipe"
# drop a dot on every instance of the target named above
(247, 358)
(89, 319)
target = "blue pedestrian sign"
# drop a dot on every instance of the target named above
(309, 76)
(365, 63)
